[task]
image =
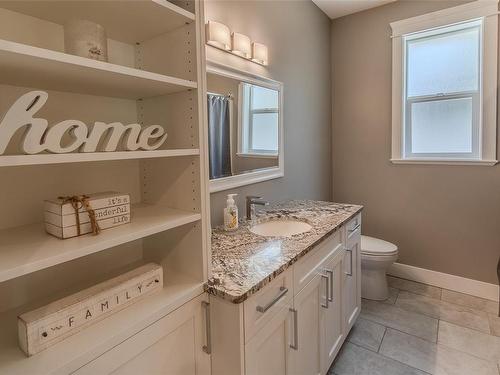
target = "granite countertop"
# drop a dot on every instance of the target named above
(244, 262)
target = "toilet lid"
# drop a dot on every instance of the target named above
(375, 246)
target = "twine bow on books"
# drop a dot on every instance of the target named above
(77, 202)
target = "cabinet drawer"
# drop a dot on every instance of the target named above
(353, 237)
(353, 226)
(306, 268)
(262, 306)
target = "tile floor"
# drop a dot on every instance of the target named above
(421, 330)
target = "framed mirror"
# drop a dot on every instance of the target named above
(245, 127)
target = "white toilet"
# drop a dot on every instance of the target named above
(376, 257)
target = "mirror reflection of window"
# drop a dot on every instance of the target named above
(244, 127)
(259, 134)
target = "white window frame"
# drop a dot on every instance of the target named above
(484, 135)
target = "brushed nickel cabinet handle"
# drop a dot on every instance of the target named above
(295, 345)
(327, 299)
(263, 309)
(355, 228)
(330, 276)
(208, 347)
(350, 262)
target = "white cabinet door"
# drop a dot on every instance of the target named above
(352, 280)
(268, 352)
(331, 324)
(170, 346)
(306, 340)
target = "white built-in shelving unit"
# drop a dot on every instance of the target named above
(154, 76)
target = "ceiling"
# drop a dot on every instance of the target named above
(339, 8)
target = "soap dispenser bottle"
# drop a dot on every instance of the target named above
(231, 214)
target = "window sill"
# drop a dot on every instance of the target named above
(446, 161)
(264, 156)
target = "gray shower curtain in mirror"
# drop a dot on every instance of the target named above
(219, 136)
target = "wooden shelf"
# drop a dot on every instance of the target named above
(27, 249)
(127, 21)
(28, 66)
(77, 350)
(16, 160)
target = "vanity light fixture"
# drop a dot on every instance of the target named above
(241, 45)
(259, 53)
(218, 35)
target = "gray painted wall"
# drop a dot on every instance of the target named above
(444, 218)
(297, 34)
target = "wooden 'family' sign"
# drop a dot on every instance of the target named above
(50, 324)
(72, 135)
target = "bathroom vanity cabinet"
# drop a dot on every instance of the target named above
(297, 323)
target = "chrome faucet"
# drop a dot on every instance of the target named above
(251, 202)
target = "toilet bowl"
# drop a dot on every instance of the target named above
(376, 257)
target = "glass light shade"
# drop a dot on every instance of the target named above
(218, 35)
(241, 45)
(259, 53)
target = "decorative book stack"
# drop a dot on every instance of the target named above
(73, 216)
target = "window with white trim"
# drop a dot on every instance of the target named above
(259, 120)
(444, 86)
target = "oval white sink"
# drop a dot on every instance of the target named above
(280, 228)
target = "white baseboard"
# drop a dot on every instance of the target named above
(446, 281)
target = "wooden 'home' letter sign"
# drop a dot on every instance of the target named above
(39, 137)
